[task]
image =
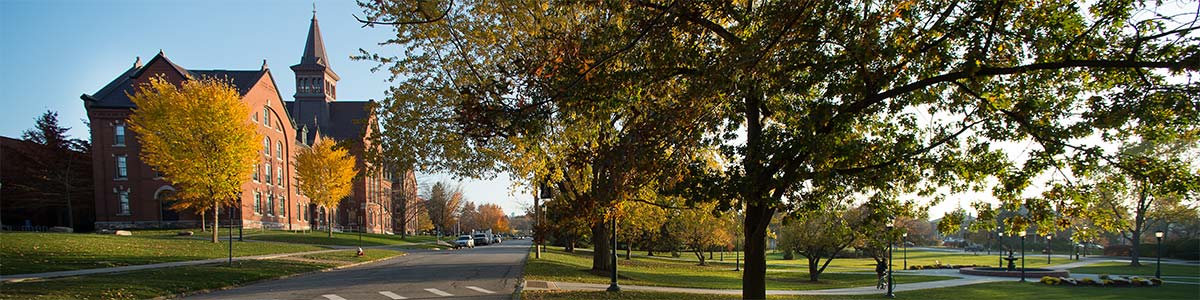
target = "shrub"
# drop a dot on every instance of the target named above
(1139, 282)
(1121, 282)
(1050, 280)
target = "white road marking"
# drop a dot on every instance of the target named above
(392, 295)
(333, 297)
(439, 292)
(481, 290)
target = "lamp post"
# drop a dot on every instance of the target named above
(1022, 234)
(887, 234)
(1158, 265)
(613, 287)
(904, 244)
(1085, 242)
(544, 194)
(1048, 238)
(1000, 250)
(230, 233)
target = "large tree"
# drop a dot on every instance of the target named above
(325, 173)
(894, 96)
(199, 136)
(52, 177)
(444, 203)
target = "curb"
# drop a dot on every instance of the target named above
(516, 295)
(329, 269)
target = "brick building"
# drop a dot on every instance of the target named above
(129, 194)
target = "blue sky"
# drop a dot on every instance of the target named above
(51, 52)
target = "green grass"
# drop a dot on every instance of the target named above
(556, 265)
(997, 291)
(173, 281)
(23, 252)
(157, 282)
(1147, 269)
(923, 258)
(351, 256)
(338, 239)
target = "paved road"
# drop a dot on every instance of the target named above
(486, 272)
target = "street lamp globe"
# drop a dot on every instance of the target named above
(1021, 234)
(1159, 234)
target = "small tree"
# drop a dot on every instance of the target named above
(199, 136)
(700, 229)
(325, 174)
(817, 235)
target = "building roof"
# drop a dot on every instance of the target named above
(346, 121)
(314, 57)
(116, 93)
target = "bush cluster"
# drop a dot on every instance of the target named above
(1105, 280)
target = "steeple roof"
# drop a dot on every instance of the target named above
(314, 48)
(314, 57)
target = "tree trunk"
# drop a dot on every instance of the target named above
(700, 255)
(812, 267)
(203, 221)
(600, 243)
(628, 254)
(216, 222)
(1135, 252)
(754, 284)
(329, 224)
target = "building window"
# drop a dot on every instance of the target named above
(271, 204)
(266, 116)
(123, 200)
(267, 146)
(122, 170)
(279, 176)
(279, 149)
(255, 116)
(257, 203)
(267, 178)
(282, 206)
(256, 170)
(119, 132)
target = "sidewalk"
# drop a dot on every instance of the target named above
(36, 276)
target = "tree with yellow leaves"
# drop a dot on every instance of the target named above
(199, 136)
(325, 174)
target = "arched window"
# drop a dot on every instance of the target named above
(266, 116)
(267, 146)
(279, 149)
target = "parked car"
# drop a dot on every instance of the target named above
(481, 239)
(464, 241)
(496, 239)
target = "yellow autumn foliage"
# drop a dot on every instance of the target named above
(199, 136)
(325, 174)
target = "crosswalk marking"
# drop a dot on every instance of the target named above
(481, 290)
(333, 297)
(439, 292)
(392, 295)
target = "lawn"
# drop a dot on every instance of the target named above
(1147, 269)
(338, 239)
(173, 281)
(915, 257)
(24, 252)
(986, 291)
(556, 265)
(351, 256)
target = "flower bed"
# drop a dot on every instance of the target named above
(1105, 280)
